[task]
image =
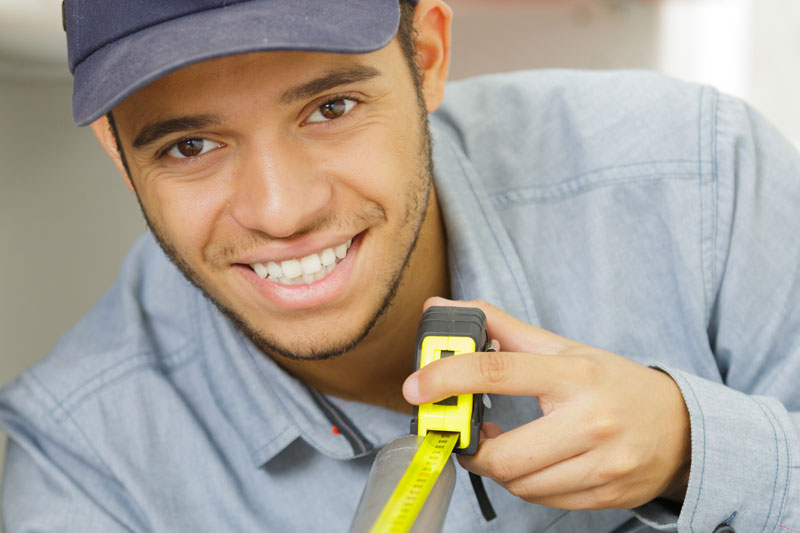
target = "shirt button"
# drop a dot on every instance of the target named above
(724, 528)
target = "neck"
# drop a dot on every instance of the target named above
(374, 371)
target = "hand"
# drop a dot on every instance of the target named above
(614, 433)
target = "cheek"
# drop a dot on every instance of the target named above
(186, 212)
(377, 163)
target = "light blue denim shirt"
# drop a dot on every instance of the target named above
(652, 218)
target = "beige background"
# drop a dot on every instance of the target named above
(66, 219)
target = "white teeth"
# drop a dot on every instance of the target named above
(274, 270)
(260, 269)
(311, 264)
(328, 257)
(291, 268)
(306, 269)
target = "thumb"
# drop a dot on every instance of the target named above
(513, 334)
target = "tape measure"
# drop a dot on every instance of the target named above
(448, 332)
(452, 424)
(412, 490)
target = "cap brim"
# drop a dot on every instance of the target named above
(116, 71)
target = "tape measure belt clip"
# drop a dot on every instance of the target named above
(449, 332)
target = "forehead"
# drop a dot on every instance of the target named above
(263, 76)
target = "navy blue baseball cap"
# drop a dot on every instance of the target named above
(116, 47)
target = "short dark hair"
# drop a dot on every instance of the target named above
(406, 37)
(115, 132)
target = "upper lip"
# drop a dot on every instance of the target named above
(284, 250)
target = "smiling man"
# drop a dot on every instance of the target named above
(301, 220)
(309, 190)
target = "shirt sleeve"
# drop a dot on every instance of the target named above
(52, 481)
(745, 431)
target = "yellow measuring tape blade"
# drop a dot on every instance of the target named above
(413, 488)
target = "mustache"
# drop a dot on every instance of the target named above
(219, 255)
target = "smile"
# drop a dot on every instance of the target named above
(303, 270)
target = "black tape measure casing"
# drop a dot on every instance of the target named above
(443, 332)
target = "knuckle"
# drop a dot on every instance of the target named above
(493, 367)
(625, 466)
(602, 427)
(517, 488)
(604, 497)
(615, 470)
(586, 370)
(499, 468)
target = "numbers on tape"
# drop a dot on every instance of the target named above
(412, 490)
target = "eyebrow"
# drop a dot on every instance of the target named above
(329, 80)
(334, 78)
(156, 130)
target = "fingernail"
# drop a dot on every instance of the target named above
(411, 388)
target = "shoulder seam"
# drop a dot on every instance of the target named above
(76, 428)
(63, 407)
(715, 196)
(638, 172)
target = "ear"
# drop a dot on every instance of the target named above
(432, 19)
(102, 130)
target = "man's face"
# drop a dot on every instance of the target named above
(310, 169)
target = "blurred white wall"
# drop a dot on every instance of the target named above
(66, 218)
(32, 40)
(748, 48)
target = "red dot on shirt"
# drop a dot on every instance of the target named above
(334, 430)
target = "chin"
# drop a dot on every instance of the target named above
(313, 339)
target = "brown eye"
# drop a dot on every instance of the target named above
(332, 110)
(191, 148)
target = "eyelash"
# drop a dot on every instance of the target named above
(163, 151)
(329, 100)
(327, 123)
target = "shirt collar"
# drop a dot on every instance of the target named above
(270, 409)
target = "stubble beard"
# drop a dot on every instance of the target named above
(417, 198)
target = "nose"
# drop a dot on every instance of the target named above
(279, 190)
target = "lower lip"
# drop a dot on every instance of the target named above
(305, 296)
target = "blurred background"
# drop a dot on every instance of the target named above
(66, 218)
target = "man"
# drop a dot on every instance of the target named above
(282, 157)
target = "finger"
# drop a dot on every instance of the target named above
(591, 480)
(490, 430)
(594, 499)
(514, 335)
(613, 495)
(579, 482)
(531, 448)
(575, 474)
(587, 481)
(520, 374)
